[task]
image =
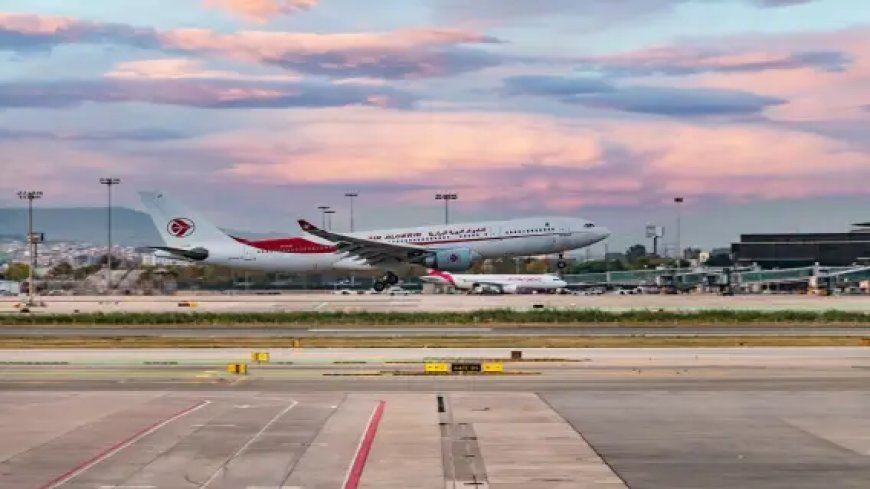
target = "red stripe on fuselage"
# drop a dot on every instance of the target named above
(288, 245)
(302, 245)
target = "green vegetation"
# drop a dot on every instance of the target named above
(419, 342)
(494, 317)
(18, 272)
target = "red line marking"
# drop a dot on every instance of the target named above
(365, 446)
(63, 478)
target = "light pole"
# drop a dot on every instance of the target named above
(109, 182)
(351, 196)
(30, 196)
(446, 198)
(328, 214)
(678, 201)
(323, 209)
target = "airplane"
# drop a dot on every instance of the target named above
(504, 283)
(454, 247)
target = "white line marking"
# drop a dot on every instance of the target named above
(128, 487)
(249, 443)
(117, 449)
(398, 330)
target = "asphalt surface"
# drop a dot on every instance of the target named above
(765, 418)
(406, 331)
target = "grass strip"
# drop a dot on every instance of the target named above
(492, 317)
(433, 342)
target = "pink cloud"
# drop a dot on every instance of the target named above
(351, 48)
(547, 160)
(183, 68)
(404, 53)
(35, 24)
(824, 76)
(376, 146)
(689, 59)
(751, 150)
(493, 159)
(813, 95)
(261, 10)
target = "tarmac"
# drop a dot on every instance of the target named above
(437, 302)
(442, 332)
(343, 418)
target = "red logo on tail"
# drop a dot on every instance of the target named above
(180, 227)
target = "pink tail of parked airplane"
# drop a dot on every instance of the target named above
(445, 247)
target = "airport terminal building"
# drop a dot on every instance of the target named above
(804, 249)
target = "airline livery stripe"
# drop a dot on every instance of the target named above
(302, 245)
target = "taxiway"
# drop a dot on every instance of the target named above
(326, 418)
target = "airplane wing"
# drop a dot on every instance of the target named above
(373, 252)
(493, 283)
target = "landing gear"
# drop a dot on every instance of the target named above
(561, 264)
(391, 278)
(388, 280)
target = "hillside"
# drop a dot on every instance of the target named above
(88, 225)
(85, 224)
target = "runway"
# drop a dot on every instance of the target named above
(617, 418)
(298, 301)
(412, 331)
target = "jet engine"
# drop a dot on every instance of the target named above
(194, 254)
(452, 260)
(510, 289)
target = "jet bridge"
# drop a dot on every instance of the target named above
(723, 278)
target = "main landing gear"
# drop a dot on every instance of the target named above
(388, 280)
(561, 264)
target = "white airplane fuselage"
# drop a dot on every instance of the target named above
(493, 239)
(187, 233)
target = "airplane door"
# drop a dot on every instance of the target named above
(249, 254)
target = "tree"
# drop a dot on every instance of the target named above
(537, 266)
(635, 252)
(18, 272)
(84, 272)
(63, 269)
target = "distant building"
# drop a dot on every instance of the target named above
(10, 287)
(804, 249)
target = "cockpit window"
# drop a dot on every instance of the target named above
(589, 225)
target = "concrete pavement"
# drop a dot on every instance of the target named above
(599, 418)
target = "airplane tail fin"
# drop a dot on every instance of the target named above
(178, 225)
(446, 276)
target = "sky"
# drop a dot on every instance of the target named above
(255, 112)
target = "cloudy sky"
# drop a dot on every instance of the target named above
(255, 111)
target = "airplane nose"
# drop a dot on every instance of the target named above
(603, 233)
